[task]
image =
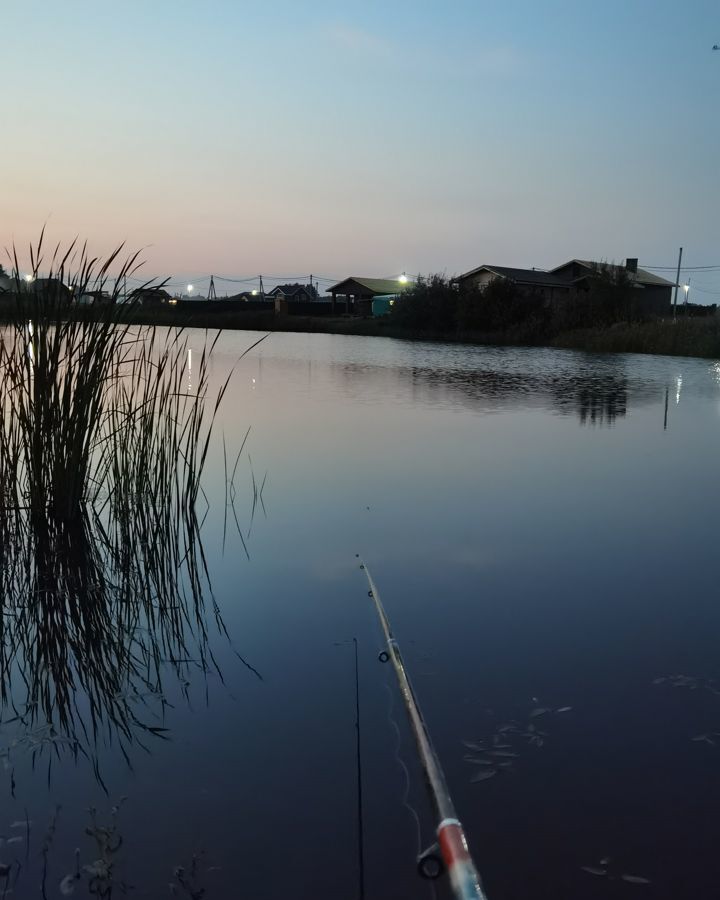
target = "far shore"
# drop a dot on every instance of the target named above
(698, 337)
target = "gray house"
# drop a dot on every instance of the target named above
(529, 282)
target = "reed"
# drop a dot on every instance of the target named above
(102, 570)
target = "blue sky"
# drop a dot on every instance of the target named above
(372, 138)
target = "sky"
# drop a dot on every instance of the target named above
(366, 138)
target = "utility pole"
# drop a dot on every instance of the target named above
(677, 284)
(262, 289)
(211, 290)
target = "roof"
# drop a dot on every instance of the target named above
(642, 276)
(373, 285)
(521, 276)
(290, 289)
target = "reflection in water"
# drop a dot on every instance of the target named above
(600, 402)
(104, 584)
(96, 615)
(596, 397)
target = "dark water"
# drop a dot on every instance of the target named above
(542, 528)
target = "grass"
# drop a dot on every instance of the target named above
(682, 337)
(102, 569)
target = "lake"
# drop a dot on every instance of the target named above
(541, 526)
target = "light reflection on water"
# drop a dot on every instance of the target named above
(521, 554)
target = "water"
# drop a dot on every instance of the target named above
(541, 525)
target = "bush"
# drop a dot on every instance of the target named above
(498, 307)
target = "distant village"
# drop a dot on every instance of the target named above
(359, 295)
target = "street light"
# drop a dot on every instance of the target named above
(403, 278)
(29, 278)
(191, 288)
(254, 292)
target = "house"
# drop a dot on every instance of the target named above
(529, 282)
(245, 296)
(572, 281)
(654, 294)
(150, 296)
(357, 292)
(50, 289)
(47, 288)
(92, 298)
(302, 293)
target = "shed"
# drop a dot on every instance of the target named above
(359, 292)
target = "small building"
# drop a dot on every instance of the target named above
(382, 305)
(357, 293)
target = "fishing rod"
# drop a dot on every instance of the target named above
(451, 841)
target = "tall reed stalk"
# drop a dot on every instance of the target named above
(102, 449)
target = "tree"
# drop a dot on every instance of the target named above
(611, 294)
(429, 305)
(497, 307)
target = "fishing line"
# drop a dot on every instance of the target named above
(406, 772)
(450, 851)
(401, 762)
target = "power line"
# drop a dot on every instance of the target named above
(685, 268)
(706, 291)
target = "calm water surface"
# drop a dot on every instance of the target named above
(542, 527)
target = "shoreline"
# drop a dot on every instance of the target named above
(692, 337)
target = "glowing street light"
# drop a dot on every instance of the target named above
(254, 292)
(191, 288)
(403, 279)
(29, 278)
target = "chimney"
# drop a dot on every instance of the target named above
(631, 264)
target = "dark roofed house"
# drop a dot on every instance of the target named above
(302, 293)
(245, 296)
(151, 296)
(572, 281)
(529, 282)
(654, 294)
(359, 292)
